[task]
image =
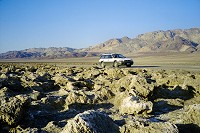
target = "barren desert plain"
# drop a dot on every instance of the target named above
(159, 93)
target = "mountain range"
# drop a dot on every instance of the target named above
(179, 40)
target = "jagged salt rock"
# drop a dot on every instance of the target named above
(91, 122)
(133, 105)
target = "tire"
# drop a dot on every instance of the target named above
(102, 64)
(115, 64)
(128, 65)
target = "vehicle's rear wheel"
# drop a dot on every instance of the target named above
(102, 64)
(115, 64)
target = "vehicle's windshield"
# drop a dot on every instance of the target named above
(118, 56)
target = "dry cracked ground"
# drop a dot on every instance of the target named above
(48, 98)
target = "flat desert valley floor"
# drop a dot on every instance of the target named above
(181, 61)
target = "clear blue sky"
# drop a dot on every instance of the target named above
(82, 23)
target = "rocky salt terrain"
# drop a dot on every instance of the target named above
(49, 98)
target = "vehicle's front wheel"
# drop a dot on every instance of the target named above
(115, 64)
(102, 64)
(128, 65)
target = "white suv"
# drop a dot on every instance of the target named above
(115, 60)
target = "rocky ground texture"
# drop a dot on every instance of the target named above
(50, 98)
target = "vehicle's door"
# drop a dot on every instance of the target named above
(106, 59)
(110, 59)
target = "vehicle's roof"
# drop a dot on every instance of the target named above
(108, 53)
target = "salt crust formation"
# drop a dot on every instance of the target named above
(49, 98)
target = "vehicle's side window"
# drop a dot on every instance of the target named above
(106, 56)
(114, 55)
(109, 56)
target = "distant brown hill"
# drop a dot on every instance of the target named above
(179, 40)
(158, 41)
(45, 53)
